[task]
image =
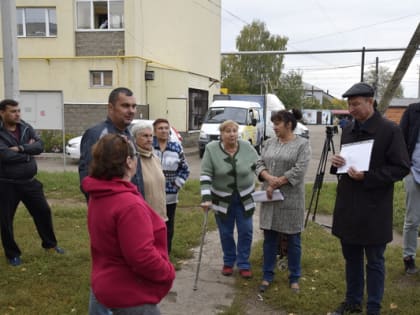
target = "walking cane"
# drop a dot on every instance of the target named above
(203, 234)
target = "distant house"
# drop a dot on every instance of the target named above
(314, 92)
(397, 107)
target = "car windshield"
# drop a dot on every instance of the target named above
(220, 114)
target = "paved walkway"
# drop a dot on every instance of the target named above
(215, 292)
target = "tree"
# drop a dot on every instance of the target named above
(384, 76)
(291, 90)
(231, 77)
(260, 72)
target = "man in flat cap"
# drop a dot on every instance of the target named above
(363, 210)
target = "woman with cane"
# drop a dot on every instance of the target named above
(227, 180)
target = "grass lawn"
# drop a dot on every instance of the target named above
(59, 284)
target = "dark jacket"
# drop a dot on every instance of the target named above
(364, 209)
(19, 166)
(410, 125)
(90, 137)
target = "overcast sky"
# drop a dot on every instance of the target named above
(331, 25)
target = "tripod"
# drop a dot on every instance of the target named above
(319, 178)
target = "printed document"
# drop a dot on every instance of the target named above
(261, 196)
(357, 155)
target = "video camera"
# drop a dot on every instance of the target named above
(331, 130)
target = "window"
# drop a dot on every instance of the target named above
(100, 14)
(100, 78)
(36, 22)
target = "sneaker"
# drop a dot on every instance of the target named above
(410, 265)
(227, 270)
(347, 308)
(15, 261)
(56, 249)
(245, 273)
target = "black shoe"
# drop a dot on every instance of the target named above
(15, 261)
(410, 265)
(347, 308)
(264, 286)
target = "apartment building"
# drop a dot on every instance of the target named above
(77, 51)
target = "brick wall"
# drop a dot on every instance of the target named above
(99, 43)
(79, 117)
(394, 113)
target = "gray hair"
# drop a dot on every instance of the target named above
(140, 126)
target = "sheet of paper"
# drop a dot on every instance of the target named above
(261, 196)
(357, 155)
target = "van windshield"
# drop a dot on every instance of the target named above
(220, 114)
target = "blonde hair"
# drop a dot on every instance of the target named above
(228, 123)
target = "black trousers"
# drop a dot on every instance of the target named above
(170, 224)
(32, 195)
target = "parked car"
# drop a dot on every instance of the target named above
(73, 145)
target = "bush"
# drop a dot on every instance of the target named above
(53, 140)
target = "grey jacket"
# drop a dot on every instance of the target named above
(291, 160)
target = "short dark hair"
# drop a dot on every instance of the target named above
(109, 156)
(6, 102)
(284, 116)
(160, 120)
(113, 96)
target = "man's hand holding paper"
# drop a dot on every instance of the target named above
(354, 159)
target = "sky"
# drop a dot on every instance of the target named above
(332, 25)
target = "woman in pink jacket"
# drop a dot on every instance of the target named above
(131, 271)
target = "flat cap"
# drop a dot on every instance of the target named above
(360, 89)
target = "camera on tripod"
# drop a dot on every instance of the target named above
(331, 130)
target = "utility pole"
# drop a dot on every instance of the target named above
(10, 52)
(418, 91)
(362, 65)
(399, 73)
(375, 85)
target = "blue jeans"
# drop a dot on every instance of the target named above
(375, 274)
(412, 216)
(270, 249)
(226, 224)
(96, 308)
(146, 309)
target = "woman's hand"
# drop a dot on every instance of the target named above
(206, 205)
(269, 192)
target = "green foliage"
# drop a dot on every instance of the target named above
(257, 71)
(291, 90)
(311, 103)
(322, 284)
(338, 104)
(383, 78)
(231, 76)
(48, 283)
(53, 140)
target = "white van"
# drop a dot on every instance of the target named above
(249, 116)
(273, 103)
